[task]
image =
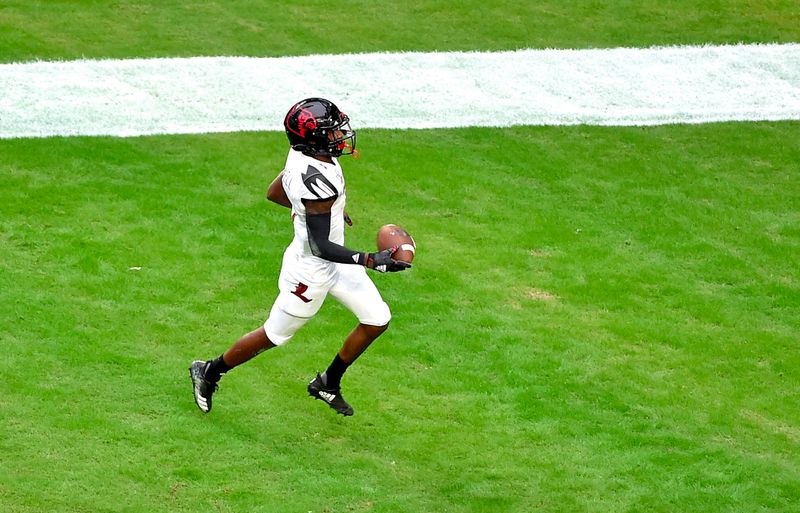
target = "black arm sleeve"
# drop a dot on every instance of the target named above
(319, 229)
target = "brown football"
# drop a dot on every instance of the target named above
(392, 235)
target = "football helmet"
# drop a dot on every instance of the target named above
(316, 126)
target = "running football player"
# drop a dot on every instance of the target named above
(316, 263)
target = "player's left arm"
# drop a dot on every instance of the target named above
(277, 194)
(318, 223)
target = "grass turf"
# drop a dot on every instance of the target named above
(77, 29)
(598, 320)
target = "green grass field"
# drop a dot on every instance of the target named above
(598, 319)
(69, 29)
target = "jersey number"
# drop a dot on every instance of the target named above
(301, 287)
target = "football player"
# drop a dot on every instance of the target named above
(316, 263)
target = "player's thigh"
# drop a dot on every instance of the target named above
(303, 286)
(357, 292)
(281, 326)
(301, 296)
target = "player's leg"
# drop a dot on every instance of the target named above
(296, 303)
(358, 293)
(284, 320)
(248, 346)
(206, 374)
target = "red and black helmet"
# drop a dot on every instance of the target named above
(309, 124)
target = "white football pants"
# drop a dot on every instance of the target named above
(304, 284)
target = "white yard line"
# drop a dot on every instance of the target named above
(404, 90)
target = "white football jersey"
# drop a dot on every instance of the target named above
(305, 177)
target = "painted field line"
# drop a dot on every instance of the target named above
(404, 90)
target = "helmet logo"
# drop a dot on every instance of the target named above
(305, 121)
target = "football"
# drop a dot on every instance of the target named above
(392, 235)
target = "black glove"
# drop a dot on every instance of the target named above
(382, 261)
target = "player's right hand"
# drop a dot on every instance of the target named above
(383, 262)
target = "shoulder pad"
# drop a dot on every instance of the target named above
(318, 185)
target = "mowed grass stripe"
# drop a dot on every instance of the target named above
(187, 28)
(621, 86)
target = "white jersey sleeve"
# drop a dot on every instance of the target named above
(318, 183)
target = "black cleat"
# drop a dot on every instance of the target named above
(332, 396)
(203, 389)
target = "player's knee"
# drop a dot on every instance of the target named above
(281, 327)
(385, 315)
(275, 336)
(379, 317)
